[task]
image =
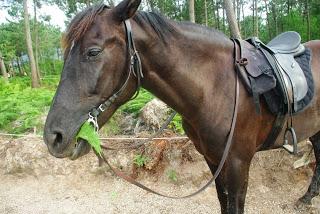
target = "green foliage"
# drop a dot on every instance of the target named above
(88, 133)
(176, 124)
(112, 126)
(21, 107)
(134, 106)
(140, 160)
(50, 66)
(71, 7)
(172, 175)
(13, 46)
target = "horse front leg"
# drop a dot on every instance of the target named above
(314, 187)
(220, 188)
(232, 185)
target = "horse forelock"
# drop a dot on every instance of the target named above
(80, 24)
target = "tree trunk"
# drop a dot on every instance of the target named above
(256, 27)
(275, 19)
(36, 39)
(12, 71)
(308, 20)
(218, 16)
(234, 29)
(253, 17)
(268, 19)
(19, 67)
(206, 11)
(21, 71)
(3, 69)
(223, 20)
(24, 69)
(243, 20)
(214, 14)
(191, 11)
(238, 14)
(35, 83)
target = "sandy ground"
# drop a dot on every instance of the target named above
(34, 182)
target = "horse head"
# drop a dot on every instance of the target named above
(97, 64)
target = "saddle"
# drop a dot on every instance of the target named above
(272, 70)
(266, 67)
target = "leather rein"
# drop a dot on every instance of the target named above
(135, 68)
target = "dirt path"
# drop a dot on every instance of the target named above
(34, 182)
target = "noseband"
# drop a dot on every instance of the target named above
(135, 68)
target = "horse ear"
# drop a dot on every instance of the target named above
(126, 9)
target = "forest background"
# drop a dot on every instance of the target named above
(31, 55)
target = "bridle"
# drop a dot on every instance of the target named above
(135, 68)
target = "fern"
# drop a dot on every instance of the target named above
(21, 106)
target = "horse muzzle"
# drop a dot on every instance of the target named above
(61, 142)
(60, 149)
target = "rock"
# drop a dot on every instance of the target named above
(155, 153)
(154, 113)
(31, 157)
(316, 203)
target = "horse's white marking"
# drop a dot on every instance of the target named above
(72, 45)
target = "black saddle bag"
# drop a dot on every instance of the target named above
(255, 72)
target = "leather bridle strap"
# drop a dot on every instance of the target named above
(222, 161)
(135, 68)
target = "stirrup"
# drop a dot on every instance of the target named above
(291, 148)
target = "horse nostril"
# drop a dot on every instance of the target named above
(58, 139)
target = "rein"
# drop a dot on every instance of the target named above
(136, 69)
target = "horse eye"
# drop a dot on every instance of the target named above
(94, 52)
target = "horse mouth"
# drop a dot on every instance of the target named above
(81, 148)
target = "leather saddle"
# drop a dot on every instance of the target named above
(265, 67)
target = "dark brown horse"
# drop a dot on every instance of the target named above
(189, 67)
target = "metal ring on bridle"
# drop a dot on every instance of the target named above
(93, 120)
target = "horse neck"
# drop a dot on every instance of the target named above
(181, 71)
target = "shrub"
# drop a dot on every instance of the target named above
(134, 106)
(21, 106)
(140, 160)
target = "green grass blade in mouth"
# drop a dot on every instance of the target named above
(88, 133)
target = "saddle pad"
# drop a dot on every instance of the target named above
(273, 97)
(305, 63)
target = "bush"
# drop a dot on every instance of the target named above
(21, 106)
(176, 124)
(134, 106)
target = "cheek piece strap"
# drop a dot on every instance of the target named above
(135, 69)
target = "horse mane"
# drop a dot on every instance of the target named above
(160, 24)
(162, 27)
(80, 24)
